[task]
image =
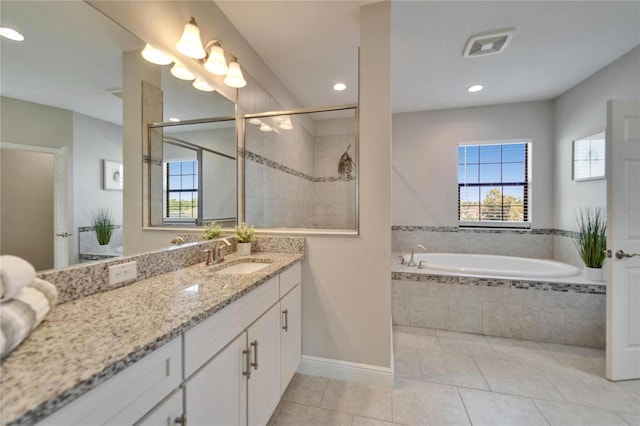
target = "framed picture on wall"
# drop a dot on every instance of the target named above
(588, 157)
(113, 177)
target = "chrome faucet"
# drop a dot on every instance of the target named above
(411, 262)
(214, 254)
(178, 240)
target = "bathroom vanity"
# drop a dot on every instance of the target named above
(195, 345)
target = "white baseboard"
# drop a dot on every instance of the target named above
(349, 371)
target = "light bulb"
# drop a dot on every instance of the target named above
(216, 64)
(11, 34)
(179, 71)
(190, 43)
(286, 123)
(234, 77)
(155, 56)
(339, 87)
(475, 88)
(202, 85)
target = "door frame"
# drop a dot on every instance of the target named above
(61, 210)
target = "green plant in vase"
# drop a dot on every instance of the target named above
(103, 225)
(245, 235)
(591, 241)
(212, 230)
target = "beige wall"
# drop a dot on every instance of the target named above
(346, 280)
(26, 208)
(424, 176)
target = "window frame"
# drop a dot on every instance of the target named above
(527, 184)
(168, 192)
(573, 157)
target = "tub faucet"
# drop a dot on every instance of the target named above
(411, 262)
(214, 254)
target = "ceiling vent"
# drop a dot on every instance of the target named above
(487, 43)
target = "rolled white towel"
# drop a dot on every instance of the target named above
(22, 314)
(15, 274)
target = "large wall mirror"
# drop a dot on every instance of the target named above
(301, 170)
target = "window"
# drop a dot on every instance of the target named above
(588, 157)
(493, 183)
(181, 189)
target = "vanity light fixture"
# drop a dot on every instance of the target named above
(475, 88)
(155, 56)
(265, 127)
(339, 87)
(200, 84)
(211, 57)
(11, 34)
(255, 121)
(286, 124)
(179, 71)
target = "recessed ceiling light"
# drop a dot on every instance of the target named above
(339, 87)
(11, 34)
(173, 119)
(475, 88)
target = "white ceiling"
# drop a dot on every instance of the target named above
(309, 45)
(71, 54)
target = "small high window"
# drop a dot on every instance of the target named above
(588, 157)
(493, 184)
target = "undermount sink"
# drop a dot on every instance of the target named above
(242, 268)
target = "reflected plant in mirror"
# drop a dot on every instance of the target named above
(301, 169)
(212, 231)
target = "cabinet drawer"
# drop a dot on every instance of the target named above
(130, 394)
(290, 278)
(207, 338)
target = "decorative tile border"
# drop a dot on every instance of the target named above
(503, 283)
(251, 156)
(533, 231)
(83, 280)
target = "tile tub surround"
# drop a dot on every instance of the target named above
(559, 312)
(83, 343)
(83, 280)
(533, 243)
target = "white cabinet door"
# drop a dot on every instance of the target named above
(169, 413)
(290, 336)
(264, 382)
(217, 394)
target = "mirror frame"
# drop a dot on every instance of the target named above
(149, 160)
(310, 231)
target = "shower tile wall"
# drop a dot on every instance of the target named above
(334, 205)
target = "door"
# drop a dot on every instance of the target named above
(60, 209)
(264, 382)
(217, 394)
(290, 336)
(623, 240)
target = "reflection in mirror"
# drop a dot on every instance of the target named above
(301, 169)
(61, 110)
(193, 173)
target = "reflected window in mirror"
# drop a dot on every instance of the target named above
(301, 170)
(193, 173)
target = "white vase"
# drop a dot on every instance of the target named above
(244, 249)
(593, 274)
(103, 248)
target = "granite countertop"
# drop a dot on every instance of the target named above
(83, 343)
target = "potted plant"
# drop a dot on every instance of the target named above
(245, 236)
(591, 242)
(103, 225)
(212, 230)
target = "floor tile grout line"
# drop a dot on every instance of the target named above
(533, 400)
(466, 411)
(324, 391)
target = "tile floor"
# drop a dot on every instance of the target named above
(448, 378)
